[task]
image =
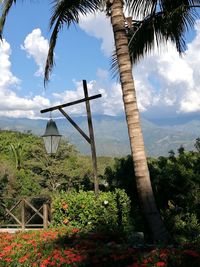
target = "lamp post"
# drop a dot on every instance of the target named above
(53, 137)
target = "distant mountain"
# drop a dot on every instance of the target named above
(111, 134)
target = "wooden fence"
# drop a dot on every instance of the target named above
(23, 214)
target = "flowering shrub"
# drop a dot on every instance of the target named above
(171, 257)
(68, 247)
(110, 211)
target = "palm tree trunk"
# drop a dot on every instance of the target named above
(142, 177)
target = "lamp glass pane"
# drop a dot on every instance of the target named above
(51, 143)
(55, 143)
(47, 143)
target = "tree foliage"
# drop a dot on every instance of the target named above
(176, 184)
(175, 179)
(39, 173)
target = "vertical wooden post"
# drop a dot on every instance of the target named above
(92, 143)
(23, 214)
(45, 215)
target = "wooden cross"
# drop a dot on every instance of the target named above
(90, 138)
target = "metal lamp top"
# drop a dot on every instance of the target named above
(51, 129)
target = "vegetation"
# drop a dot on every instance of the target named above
(40, 174)
(175, 181)
(161, 20)
(110, 211)
(71, 247)
(176, 185)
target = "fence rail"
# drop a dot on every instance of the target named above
(23, 214)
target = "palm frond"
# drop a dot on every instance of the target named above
(145, 8)
(142, 38)
(114, 67)
(66, 13)
(168, 24)
(178, 21)
(173, 4)
(50, 57)
(6, 5)
(141, 8)
(69, 11)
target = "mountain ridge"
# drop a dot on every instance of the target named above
(111, 135)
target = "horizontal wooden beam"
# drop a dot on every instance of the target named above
(70, 103)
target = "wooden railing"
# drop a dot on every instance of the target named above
(22, 213)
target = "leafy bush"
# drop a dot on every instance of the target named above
(176, 186)
(183, 226)
(110, 211)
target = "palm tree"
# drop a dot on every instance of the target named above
(126, 53)
(161, 20)
(142, 177)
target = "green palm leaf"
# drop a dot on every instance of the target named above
(66, 13)
(163, 20)
(6, 5)
(161, 27)
(147, 7)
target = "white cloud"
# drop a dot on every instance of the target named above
(171, 81)
(36, 46)
(110, 103)
(11, 105)
(6, 77)
(98, 25)
(164, 81)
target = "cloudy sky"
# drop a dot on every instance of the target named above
(166, 84)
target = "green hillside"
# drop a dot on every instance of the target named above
(26, 169)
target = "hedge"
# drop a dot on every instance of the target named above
(110, 211)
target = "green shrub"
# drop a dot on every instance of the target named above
(110, 211)
(183, 226)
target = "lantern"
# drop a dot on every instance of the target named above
(51, 137)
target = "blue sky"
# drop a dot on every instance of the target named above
(166, 84)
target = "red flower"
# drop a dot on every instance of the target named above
(23, 259)
(56, 256)
(75, 230)
(161, 263)
(8, 248)
(163, 256)
(64, 206)
(45, 262)
(145, 261)
(8, 259)
(191, 253)
(2, 255)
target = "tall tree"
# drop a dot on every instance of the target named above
(161, 20)
(142, 177)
